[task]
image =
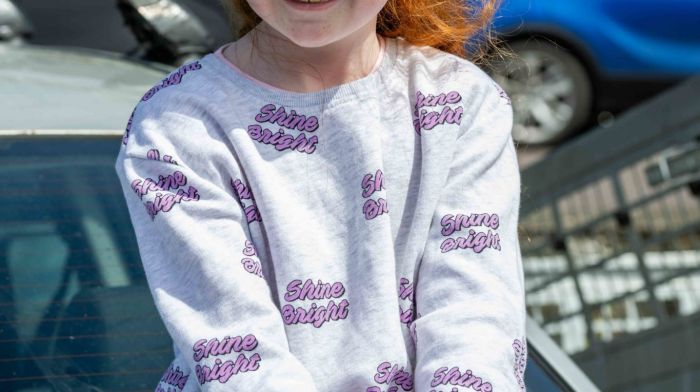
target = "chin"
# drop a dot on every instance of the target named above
(310, 39)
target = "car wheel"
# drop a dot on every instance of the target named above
(549, 88)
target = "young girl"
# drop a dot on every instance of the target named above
(330, 203)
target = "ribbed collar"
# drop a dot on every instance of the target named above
(356, 89)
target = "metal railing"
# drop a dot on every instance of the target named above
(610, 225)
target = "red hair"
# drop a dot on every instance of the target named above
(454, 26)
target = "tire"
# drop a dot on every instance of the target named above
(550, 90)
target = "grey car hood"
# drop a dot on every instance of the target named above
(49, 88)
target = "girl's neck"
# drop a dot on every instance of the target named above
(271, 58)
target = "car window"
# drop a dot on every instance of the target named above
(75, 310)
(537, 380)
(74, 306)
(541, 377)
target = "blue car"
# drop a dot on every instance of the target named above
(576, 59)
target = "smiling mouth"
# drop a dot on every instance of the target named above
(310, 4)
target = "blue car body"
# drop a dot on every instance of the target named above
(616, 39)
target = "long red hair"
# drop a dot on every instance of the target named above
(454, 26)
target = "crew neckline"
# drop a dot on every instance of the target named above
(357, 88)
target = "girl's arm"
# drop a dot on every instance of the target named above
(470, 332)
(201, 264)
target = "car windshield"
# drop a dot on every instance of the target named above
(75, 310)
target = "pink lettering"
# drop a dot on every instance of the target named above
(281, 141)
(309, 290)
(165, 183)
(426, 119)
(373, 208)
(270, 113)
(166, 202)
(371, 185)
(454, 377)
(153, 154)
(203, 348)
(252, 213)
(222, 371)
(252, 266)
(406, 316)
(405, 289)
(125, 138)
(175, 377)
(174, 78)
(433, 100)
(451, 223)
(520, 351)
(477, 241)
(249, 249)
(241, 189)
(315, 315)
(388, 374)
(243, 192)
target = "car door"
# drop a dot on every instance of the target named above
(662, 36)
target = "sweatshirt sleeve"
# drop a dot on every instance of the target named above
(470, 334)
(176, 171)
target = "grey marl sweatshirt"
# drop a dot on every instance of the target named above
(359, 238)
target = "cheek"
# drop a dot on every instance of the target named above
(363, 10)
(263, 8)
(374, 6)
(369, 8)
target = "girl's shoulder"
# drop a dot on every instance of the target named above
(189, 90)
(437, 79)
(179, 81)
(431, 68)
(176, 118)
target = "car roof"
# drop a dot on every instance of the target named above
(68, 88)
